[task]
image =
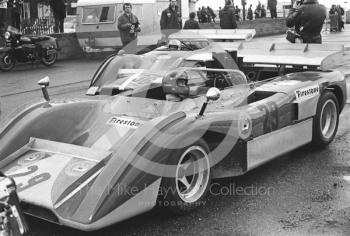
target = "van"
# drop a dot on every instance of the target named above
(97, 28)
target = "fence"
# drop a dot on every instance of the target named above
(44, 25)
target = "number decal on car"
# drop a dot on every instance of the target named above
(37, 179)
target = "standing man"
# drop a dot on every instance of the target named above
(199, 15)
(59, 13)
(205, 15)
(250, 13)
(263, 11)
(170, 20)
(228, 18)
(129, 26)
(211, 13)
(238, 13)
(272, 5)
(308, 19)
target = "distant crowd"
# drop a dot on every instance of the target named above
(337, 12)
(207, 14)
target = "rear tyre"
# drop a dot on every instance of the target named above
(8, 62)
(50, 59)
(326, 120)
(186, 191)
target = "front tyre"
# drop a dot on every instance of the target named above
(185, 192)
(8, 62)
(48, 59)
(326, 120)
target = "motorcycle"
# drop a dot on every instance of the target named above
(19, 48)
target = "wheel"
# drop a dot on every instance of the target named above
(7, 62)
(326, 120)
(49, 60)
(186, 190)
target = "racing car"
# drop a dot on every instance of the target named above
(157, 128)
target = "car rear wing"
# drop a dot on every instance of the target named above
(322, 56)
(214, 35)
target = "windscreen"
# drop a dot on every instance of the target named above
(157, 65)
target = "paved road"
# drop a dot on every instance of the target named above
(25, 77)
(306, 192)
(67, 78)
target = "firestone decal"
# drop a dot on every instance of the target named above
(307, 93)
(124, 122)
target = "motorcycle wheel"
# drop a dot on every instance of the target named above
(49, 60)
(7, 62)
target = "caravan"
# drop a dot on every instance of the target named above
(97, 28)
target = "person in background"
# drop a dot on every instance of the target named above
(170, 20)
(220, 13)
(257, 11)
(333, 10)
(341, 12)
(211, 13)
(199, 15)
(205, 15)
(228, 19)
(263, 11)
(307, 17)
(192, 23)
(272, 6)
(250, 12)
(237, 13)
(129, 26)
(59, 13)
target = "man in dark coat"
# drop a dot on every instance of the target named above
(170, 20)
(272, 5)
(59, 13)
(340, 12)
(211, 13)
(205, 16)
(250, 13)
(228, 18)
(199, 15)
(192, 23)
(129, 26)
(237, 13)
(263, 11)
(308, 19)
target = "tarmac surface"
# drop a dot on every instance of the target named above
(306, 192)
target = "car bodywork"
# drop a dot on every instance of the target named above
(89, 163)
(197, 39)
